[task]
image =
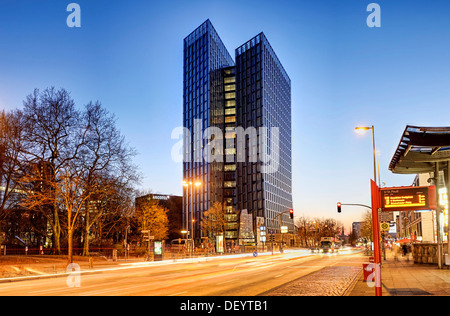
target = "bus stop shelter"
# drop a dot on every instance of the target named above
(426, 150)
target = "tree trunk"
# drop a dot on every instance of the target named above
(70, 228)
(56, 232)
(70, 246)
(56, 223)
(56, 245)
(86, 230)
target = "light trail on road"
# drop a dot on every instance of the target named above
(212, 276)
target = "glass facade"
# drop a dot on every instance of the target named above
(253, 95)
(229, 171)
(204, 57)
(264, 100)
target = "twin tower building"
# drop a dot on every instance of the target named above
(237, 144)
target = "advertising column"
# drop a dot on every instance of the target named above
(158, 250)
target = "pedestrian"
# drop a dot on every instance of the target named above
(396, 250)
(408, 250)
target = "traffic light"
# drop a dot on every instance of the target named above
(291, 213)
(339, 207)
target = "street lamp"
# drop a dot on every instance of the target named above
(197, 184)
(375, 223)
(361, 130)
(186, 185)
(191, 184)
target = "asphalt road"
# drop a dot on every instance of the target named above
(218, 276)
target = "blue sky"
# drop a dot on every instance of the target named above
(128, 55)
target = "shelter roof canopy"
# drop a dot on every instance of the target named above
(420, 148)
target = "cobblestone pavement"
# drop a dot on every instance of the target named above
(329, 281)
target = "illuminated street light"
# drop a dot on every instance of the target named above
(375, 224)
(362, 129)
(186, 184)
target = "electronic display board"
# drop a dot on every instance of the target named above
(408, 198)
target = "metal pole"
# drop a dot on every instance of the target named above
(438, 214)
(192, 214)
(271, 233)
(447, 185)
(374, 159)
(186, 213)
(375, 180)
(379, 177)
(356, 205)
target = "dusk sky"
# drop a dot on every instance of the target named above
(129, 56)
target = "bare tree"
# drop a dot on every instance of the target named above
(71, 194)
(75, 165)
(104, 155)
(10, 149)
(305, 230)
(117, 217)
(366, 228)
(52, 139)
(310, 231)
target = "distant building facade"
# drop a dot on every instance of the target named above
(356, 228)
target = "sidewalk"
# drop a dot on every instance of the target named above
(404, 278)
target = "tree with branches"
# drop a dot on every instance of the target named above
(11, 134)
(104, 156)
(213, 221)
(52, 140)
(153, 218)
(76, 162)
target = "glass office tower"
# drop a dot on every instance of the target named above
(204, 57)
(252, 96)
(264, 100)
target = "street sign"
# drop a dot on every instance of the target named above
(385, 226)
(148, 238)
(408, 198)
(284, 229)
